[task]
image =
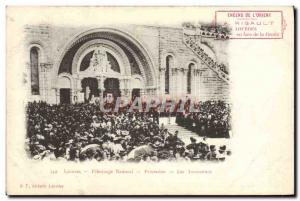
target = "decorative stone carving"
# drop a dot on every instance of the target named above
(99, 62)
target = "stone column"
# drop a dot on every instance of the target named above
(194, 84)
(42, 81)
(75, 89)
(184, 80)
(162, 72)
(45, 83)
(124, 87)
(57, 94)
(199, 80)
(176, 83)
(100, 80)
(78, 88)
(128, 87)
(173, 81)
(182, 83)
(77, 82)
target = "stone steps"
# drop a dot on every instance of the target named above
(185, 134)
(192, 44)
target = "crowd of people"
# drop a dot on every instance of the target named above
(222, 68)
(208, 30)
(211, 120)
(80, 132)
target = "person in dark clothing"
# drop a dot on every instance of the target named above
(66, 131)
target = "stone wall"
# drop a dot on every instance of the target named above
(206, 84)
(40, 36)
(159, 42)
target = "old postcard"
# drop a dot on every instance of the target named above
(150, 100)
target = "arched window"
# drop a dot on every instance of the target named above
(189, 78)
(34, 67)
(169, 61)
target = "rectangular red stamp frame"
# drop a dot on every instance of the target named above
(274, 11)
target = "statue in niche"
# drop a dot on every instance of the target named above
(99, 62)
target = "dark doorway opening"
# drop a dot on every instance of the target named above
(65, 96)
(112, 87)
(90, 88)
(135, 93)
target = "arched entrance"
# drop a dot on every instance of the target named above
(137, 87)
(136, 92)
(65, 96)
(107, 54)
(64, 85)
(89, 88)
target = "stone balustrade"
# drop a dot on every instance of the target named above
(220, 69)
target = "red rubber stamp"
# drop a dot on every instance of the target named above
(252, 24)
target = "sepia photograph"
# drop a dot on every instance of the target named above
(109, 100)
(103, 96)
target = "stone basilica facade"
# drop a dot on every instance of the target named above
(75, 64)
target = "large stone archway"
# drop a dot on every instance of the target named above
(110, 47)
(122, 39)
(130, 54)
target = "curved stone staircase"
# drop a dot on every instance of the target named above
(191, 42)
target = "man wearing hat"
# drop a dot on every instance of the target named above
(221, 153)
(166, 133)
(212, 153)
(172, 140)
(193, 145)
